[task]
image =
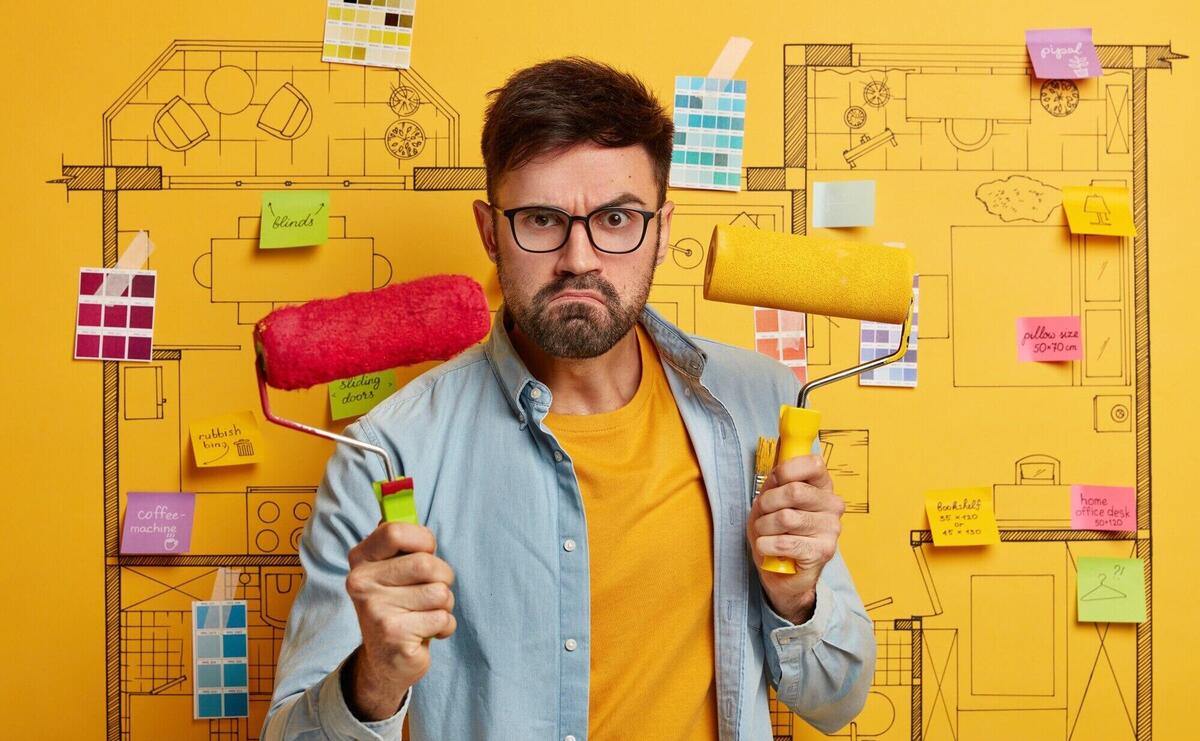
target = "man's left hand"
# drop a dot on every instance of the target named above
(796, 517)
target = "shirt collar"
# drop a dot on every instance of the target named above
(674, 347)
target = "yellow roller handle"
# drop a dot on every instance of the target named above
(798, 429)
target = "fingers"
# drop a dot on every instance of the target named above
(801, 496)
(796, 522)
(804, 550)
(809, 469)
(391, 539)
(417, 570)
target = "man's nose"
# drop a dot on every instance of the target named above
(578, 255)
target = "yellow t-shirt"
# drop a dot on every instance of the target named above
(650, 544)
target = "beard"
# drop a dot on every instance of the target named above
(576, 329)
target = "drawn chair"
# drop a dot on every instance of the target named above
(178, 127)
(287, 115)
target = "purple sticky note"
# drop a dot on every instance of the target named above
(158, 522)
(1103, 508)
(1049, 338)
(1062, 53)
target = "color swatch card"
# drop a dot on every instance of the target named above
(878, 339)
(710, 116)
(1048, 339)
(114, 318)
(844, 203)
(227, 440)
(1062, 53)
(375, 33)
(1099, 209)
(220, 655)
(294, 218)
(782, 335)
(1104, 508)
(962, 516)
(1110, 590)
(351, 397)
(158, 522)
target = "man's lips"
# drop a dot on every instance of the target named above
(577, 296)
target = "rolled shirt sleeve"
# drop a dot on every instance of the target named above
(322, 629)
(822, 669)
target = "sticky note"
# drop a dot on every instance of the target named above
(1048, 339)
(1103, 508)
(1110, 590)
(114, 316)
(844, 203)
(220, 658)
(351, 397)
(1062, 53)
(710, 122)
(158, 522)
(227, 440)
(962, 516)
(294, 218)
(1099, 209)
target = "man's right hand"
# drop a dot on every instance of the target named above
(401, 592)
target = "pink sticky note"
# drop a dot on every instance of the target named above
(158, 522)
(1049, 338)
(1062, 53)
(1103, 508)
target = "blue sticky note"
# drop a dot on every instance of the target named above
(844, 203)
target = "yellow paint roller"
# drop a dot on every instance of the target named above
(813, 275)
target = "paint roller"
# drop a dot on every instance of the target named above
(813, 275)
(431, 318)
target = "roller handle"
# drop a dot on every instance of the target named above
(798, 430)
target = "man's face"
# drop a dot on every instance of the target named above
(576, 302)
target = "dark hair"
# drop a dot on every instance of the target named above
(568, 101)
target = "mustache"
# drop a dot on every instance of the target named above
(587, 282)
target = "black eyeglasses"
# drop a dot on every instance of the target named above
(613, 229)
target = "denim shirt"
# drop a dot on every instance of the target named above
(502, 498)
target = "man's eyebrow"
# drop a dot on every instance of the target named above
(622, 200)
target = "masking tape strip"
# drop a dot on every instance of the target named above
(133, 258)
(731, 58)
(225, 585)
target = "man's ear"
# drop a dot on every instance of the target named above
(484, 215)
(664, 233)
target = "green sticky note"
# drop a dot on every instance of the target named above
(1111, 590)
(294, 218)
(351, 397)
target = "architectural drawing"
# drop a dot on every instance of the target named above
(972, 646)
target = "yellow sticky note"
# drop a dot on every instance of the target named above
(227, 440)
(1099, 209)
(962, 516)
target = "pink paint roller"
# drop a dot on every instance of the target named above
(432, 318)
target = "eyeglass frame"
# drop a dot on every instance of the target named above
(510, 214)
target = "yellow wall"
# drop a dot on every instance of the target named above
(974, 415)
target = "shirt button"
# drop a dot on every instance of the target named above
(568, 738)
(536, 393)
(558, 456)
(568, 545)
(571, 645)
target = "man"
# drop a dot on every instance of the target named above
(587, 565)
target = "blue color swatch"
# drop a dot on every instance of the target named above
(710, 120)
(220, 653)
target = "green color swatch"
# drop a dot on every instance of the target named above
(1111, 590)
(294, 218)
